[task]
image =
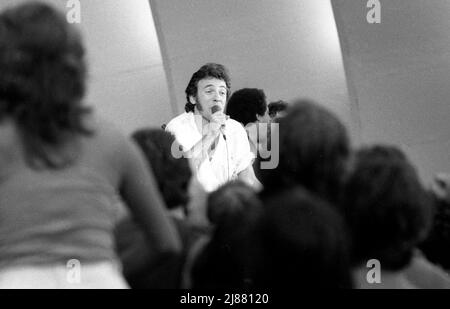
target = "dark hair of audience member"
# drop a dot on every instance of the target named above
(386, 207)
(244, 104)
(276, 107)
(172, 174)
(233, 209)
(304, 243)
(42, 82)
(209, 70)
(314, 149)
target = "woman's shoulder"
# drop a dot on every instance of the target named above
(101, 125)
(108, 145)
(106, 133)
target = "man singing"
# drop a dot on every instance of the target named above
(218, 146)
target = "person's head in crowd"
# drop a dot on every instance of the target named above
(304, 243)
(314, 150)
(42, 82)
(436, 246)
(208, 87)
(172, 174)
(233, 210)
(248, 105)
(387, 209)
(277, 108)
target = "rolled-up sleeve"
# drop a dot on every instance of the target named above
(183, 128)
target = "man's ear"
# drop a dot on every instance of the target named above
(259, 117)
(192, 99)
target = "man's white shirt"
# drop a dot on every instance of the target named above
(231, 156)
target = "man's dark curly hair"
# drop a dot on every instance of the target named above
(314, 149)
(245, 104)
(387, 209)
(209, 70)
(42, 80)
(172, 174)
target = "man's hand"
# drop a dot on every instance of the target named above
(248, 176)
(218, 120)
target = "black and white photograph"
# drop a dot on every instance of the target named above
(224, 149)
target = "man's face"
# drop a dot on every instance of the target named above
(210, 92)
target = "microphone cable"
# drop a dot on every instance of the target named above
(228, 159)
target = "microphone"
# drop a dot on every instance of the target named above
(216, 109)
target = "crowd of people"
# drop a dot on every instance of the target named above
(197, 204)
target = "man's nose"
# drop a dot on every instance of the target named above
(216, 96)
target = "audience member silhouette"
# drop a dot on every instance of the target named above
(388, 213)
(314, 150)
(223, 261)
(62, 168)
(436, 246)
(304, 243)
(173, 175)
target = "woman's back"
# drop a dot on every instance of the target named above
(54, 215)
